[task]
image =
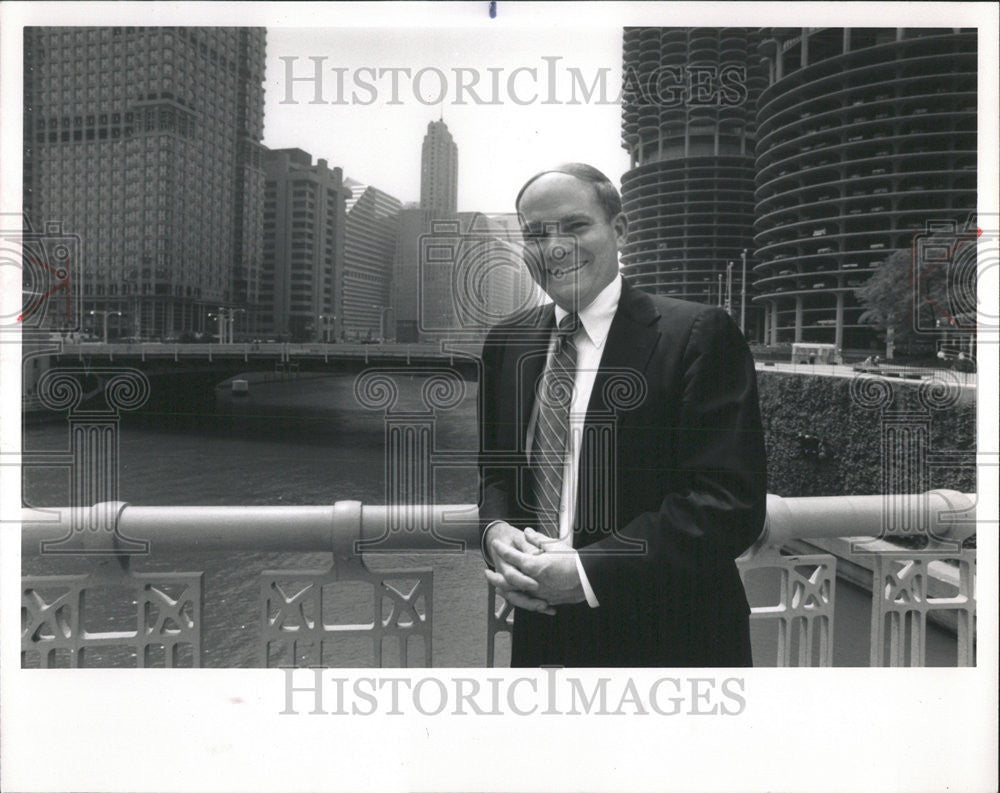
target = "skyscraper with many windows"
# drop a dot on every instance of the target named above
(372, 216)
(303, 262)
(439, 171)
(867, 138)
(456, 277)
(145, 141)
(688, 123)
(820, 152)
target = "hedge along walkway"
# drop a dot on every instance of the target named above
(846, 418)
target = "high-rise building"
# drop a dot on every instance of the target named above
(689, 127)
(372, 217)
(456, 277)
(505, 283)
(866, 136)
(414, 223)
(439, 171)
(145, 142)
(303, 256)
(843, 145)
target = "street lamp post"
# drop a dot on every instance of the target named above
(232, 321)
(326, 320)
(719, 300)
(729, 288)
(220, 319)
(104, 315)
(743, 295)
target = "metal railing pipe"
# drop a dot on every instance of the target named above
(253, 528)
(414, 527)
(866, 516)
(420, 528)
(245, 528)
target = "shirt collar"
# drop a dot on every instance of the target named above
(596, 317)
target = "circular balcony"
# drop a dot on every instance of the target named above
(845, 180)
(686, 222)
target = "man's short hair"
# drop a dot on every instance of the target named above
(607, 193)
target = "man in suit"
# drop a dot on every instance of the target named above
(612, 515)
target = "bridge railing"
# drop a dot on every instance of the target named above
(282, 348)
(296, 626)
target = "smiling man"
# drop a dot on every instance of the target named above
(622, 459)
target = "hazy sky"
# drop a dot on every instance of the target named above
(525, 121)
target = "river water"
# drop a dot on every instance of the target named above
(310, 441)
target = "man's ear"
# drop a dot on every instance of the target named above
(620, 224)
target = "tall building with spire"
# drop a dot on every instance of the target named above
(439, 171)
(146, 142)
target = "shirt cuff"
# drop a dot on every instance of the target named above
(588, 591)
(486, 554)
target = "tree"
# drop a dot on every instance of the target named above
(918, 290)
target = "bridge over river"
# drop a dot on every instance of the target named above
(183, 377)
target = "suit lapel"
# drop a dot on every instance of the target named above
(629, 345)
(525, 360)
(627, 351)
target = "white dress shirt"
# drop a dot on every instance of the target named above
(595, 321)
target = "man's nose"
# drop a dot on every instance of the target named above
(556, 251)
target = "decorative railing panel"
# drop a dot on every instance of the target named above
(305, 623)
(302, 622)
(805, 608)
(500, 622)
(902, 600)
(302, 626)
(158, 616)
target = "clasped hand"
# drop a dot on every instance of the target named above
(533, 571)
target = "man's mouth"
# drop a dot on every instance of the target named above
(562, 270)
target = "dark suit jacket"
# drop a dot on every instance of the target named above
(671, 486)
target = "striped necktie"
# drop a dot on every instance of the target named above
(548, 450)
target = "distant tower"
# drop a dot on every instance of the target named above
(439, 171)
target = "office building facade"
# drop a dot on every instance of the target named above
(457, 276)
(303, 255)
(413, 224)
(146, 142)
(371, 220)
